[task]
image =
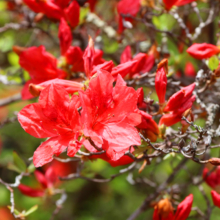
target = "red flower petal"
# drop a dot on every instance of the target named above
(126, 55)
(53, 146)
(28, 191)
(123, 69)
(41, 178)
(74, 57)
(33, 121)
(169, 3)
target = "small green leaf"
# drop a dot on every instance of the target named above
(166, 157)
(11, 166)
(31, 210)
(213, 62)
(31, 168)
(19, 163)
(15, 211)
(13, 59)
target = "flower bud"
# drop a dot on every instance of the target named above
(161, 80)
(214, 161)
(164, 207)
(88, 57)
(35, 90)
(18, 50)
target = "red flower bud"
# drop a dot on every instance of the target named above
(203, 51)
(72, 13)
(161, 80)
(88, 57)
(190, 70)
(184, 208)
(74, 57)
(126, 55)
(180, 98)
(65, 36)
(163, 210)
(215, 198)
(215, 161)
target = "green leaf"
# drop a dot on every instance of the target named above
(15, 211)
(19, 163)
(164, 22)
(213, 63)
(13, 59)
(31, 168)
(31, 210)
(3, 6)
(11, 166)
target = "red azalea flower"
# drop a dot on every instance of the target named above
(40, 65)
(54, 117)
(215, 198)
(132, 8)
(108, 114)
(203, 51)
(65, 36)
(213, 178)
(164, 210)
(46, 181)
(177, 105)
(49, 180)
(161, 80)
